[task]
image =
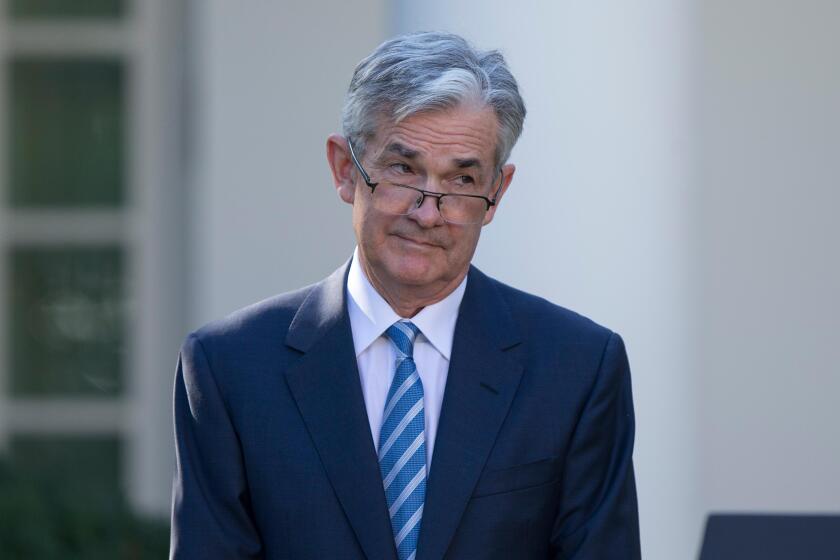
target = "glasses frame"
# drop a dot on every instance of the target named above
(424, 193)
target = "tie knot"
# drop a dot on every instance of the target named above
(402, 335)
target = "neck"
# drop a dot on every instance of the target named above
(408, 301)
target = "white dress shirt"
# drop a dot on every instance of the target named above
(370, 316)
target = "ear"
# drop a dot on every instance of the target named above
(508, 170)
(341, 166)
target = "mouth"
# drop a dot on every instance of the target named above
(417, 242)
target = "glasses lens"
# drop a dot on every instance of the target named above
(393, 198)
(458, 209)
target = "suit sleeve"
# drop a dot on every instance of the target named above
(599, 515)
(210, 512)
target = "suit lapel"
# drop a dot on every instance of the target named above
(480, 386)
(325, 384)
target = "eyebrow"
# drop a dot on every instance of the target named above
(463, 163)
(408, 153)
(401, 150)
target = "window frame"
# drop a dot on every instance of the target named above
(148, 227)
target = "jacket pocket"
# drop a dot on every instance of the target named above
(518, 477)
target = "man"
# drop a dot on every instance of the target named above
(409, 406)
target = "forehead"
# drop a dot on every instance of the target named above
(459, 133)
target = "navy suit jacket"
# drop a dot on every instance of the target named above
(533, 457)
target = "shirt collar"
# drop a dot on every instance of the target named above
(370, 314)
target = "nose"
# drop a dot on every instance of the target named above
(427, 214)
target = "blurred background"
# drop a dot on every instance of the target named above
(162, 164)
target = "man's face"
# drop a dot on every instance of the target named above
(446, 149)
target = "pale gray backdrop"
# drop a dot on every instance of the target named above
(677, 181)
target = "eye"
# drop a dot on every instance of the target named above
(400, 168)
(464, 180)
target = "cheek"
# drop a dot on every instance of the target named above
(464, 247)
(371, 228)
(362, 220)
(358, 218)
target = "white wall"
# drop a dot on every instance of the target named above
(269, 85)
(676, 182)
(596, 218)
(769, 199)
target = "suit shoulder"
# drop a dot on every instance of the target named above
(269, 317)
(537, 314)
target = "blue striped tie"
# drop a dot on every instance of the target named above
(402, 444)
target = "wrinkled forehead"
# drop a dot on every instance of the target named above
(465, 135)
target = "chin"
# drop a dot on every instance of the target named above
(413, 271)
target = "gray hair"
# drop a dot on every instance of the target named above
(430, 71)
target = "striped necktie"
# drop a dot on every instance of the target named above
(402, 444)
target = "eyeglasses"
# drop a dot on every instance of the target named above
(400, 199)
